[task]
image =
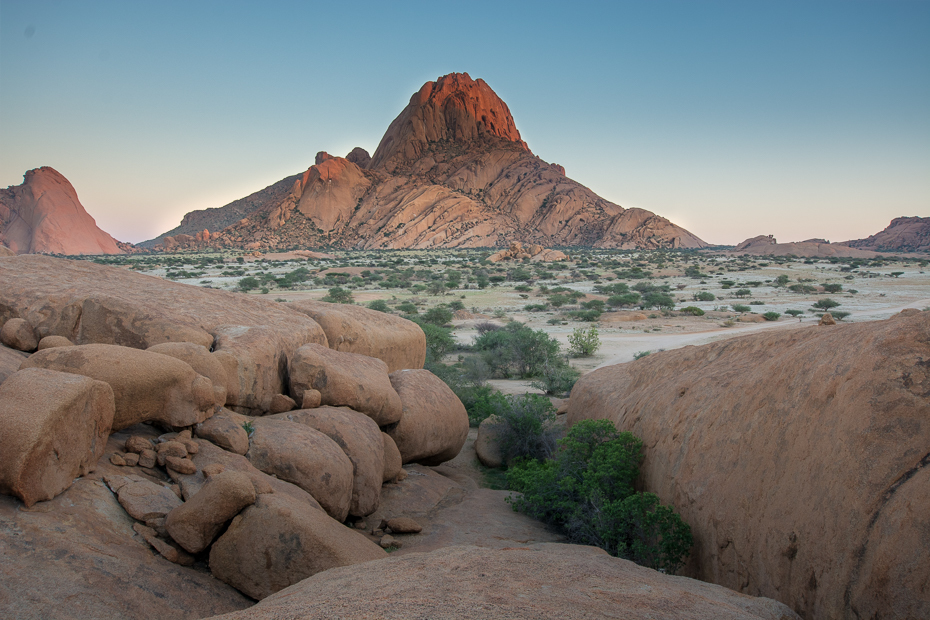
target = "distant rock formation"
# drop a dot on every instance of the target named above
(451, 171)
(904, 234)
(766, 245)
(44, 215)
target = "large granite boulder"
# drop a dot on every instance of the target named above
(201, 360)
(306, 457)
(279, 541)
(397, 342)
(799, 458)
(434, 425)
(147, 386)
(360, 439)
(195, 523)
(54, 428)
(345, 379)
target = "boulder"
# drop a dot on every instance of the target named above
(798, 458)
(143, 499)
(225, 431)
(827, 319)
(360, 439)
(195, 523)
(49, 342)
(434, 425)
(202, 361)
(281, 403)
(18, 334)
(345, 379)
(397, 342)
(55, 428)
(147, 386)
(10, 361)
(210, 459)
(393, 462)
(487, 447)
(261, 355)
(306, 457)
(279, 541)
(548, 580)
(404, 525)
(311, 399)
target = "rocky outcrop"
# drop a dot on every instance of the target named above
(345, 379)
(535, 253)
(542, 581)
(55, 426)
(798, 459)
(148, 387)
(766, 245)
(359, 157)
(44, 215)
(315, 543)
(196, 522)
(903, 234)
(451, 171)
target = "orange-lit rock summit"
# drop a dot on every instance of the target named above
(451, 171)
(44, 215)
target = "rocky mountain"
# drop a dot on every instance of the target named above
(44, 215)
(767, 245)
(451, 171)
(904, 234)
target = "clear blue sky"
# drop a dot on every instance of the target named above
(732, 119)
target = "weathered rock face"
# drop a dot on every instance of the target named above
(360, 439)
(543, 581)
(534, 252)
(90, 303)
(196, 522)
(904, 234)
(359, 157)
(798, 458)
(10, 361)
(345, 379)
(44, 215)
(451, 171)
(147, 386)
(203, 363)
(315, 543)
(55, 428)
(434, 425)
(397, 342)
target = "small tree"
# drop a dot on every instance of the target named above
(339, 295)
(826, 303)
(771, 316)
(584, 342)
(794, 312)
(743, 292)
(249, 283)
(378, 304)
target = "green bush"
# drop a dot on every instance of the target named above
(771, 316)
(439, 340)
(794, 312)
(440, 315)
(248, 283)
(658, 300)
(740, 308)
(623, 299)
(692, 310)
(584, 342)
(378, 304)
(586, 492)
(339, 295)
(516, 350)
(556, 378)
(704, 296)
(839, 315)
(527, 427)
(407, 307)
(826, 303)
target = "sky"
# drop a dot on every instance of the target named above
(797, 119)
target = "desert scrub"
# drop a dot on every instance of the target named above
(586, 492)
(584, 342)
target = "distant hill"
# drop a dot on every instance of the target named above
(766, 245)
(903, 234)
(44, 215)
(451, 171)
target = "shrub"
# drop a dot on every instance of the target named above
(641, 354)
(527, 429)
(584, 342)
(586, 491)
(380, 305)
(704, 296)
(440, 315)
(740, 308)
(658, 300)
(826, 303)
(587, 316)
(692, 310)
(743, 292)
(339, 295)
(516, 350)
(833, 288)
(439, 340)
(794, 312)
(839, 315)
(407, 307)
(248, 283)
(771, 316)
(481, 402)
(624, 299)
(556, 378)
(456, 305)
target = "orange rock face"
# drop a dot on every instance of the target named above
(798, 458)
(767, 245)
(44, 215)
(904, 234)
(451, 171)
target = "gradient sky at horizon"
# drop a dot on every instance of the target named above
(732, 119)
